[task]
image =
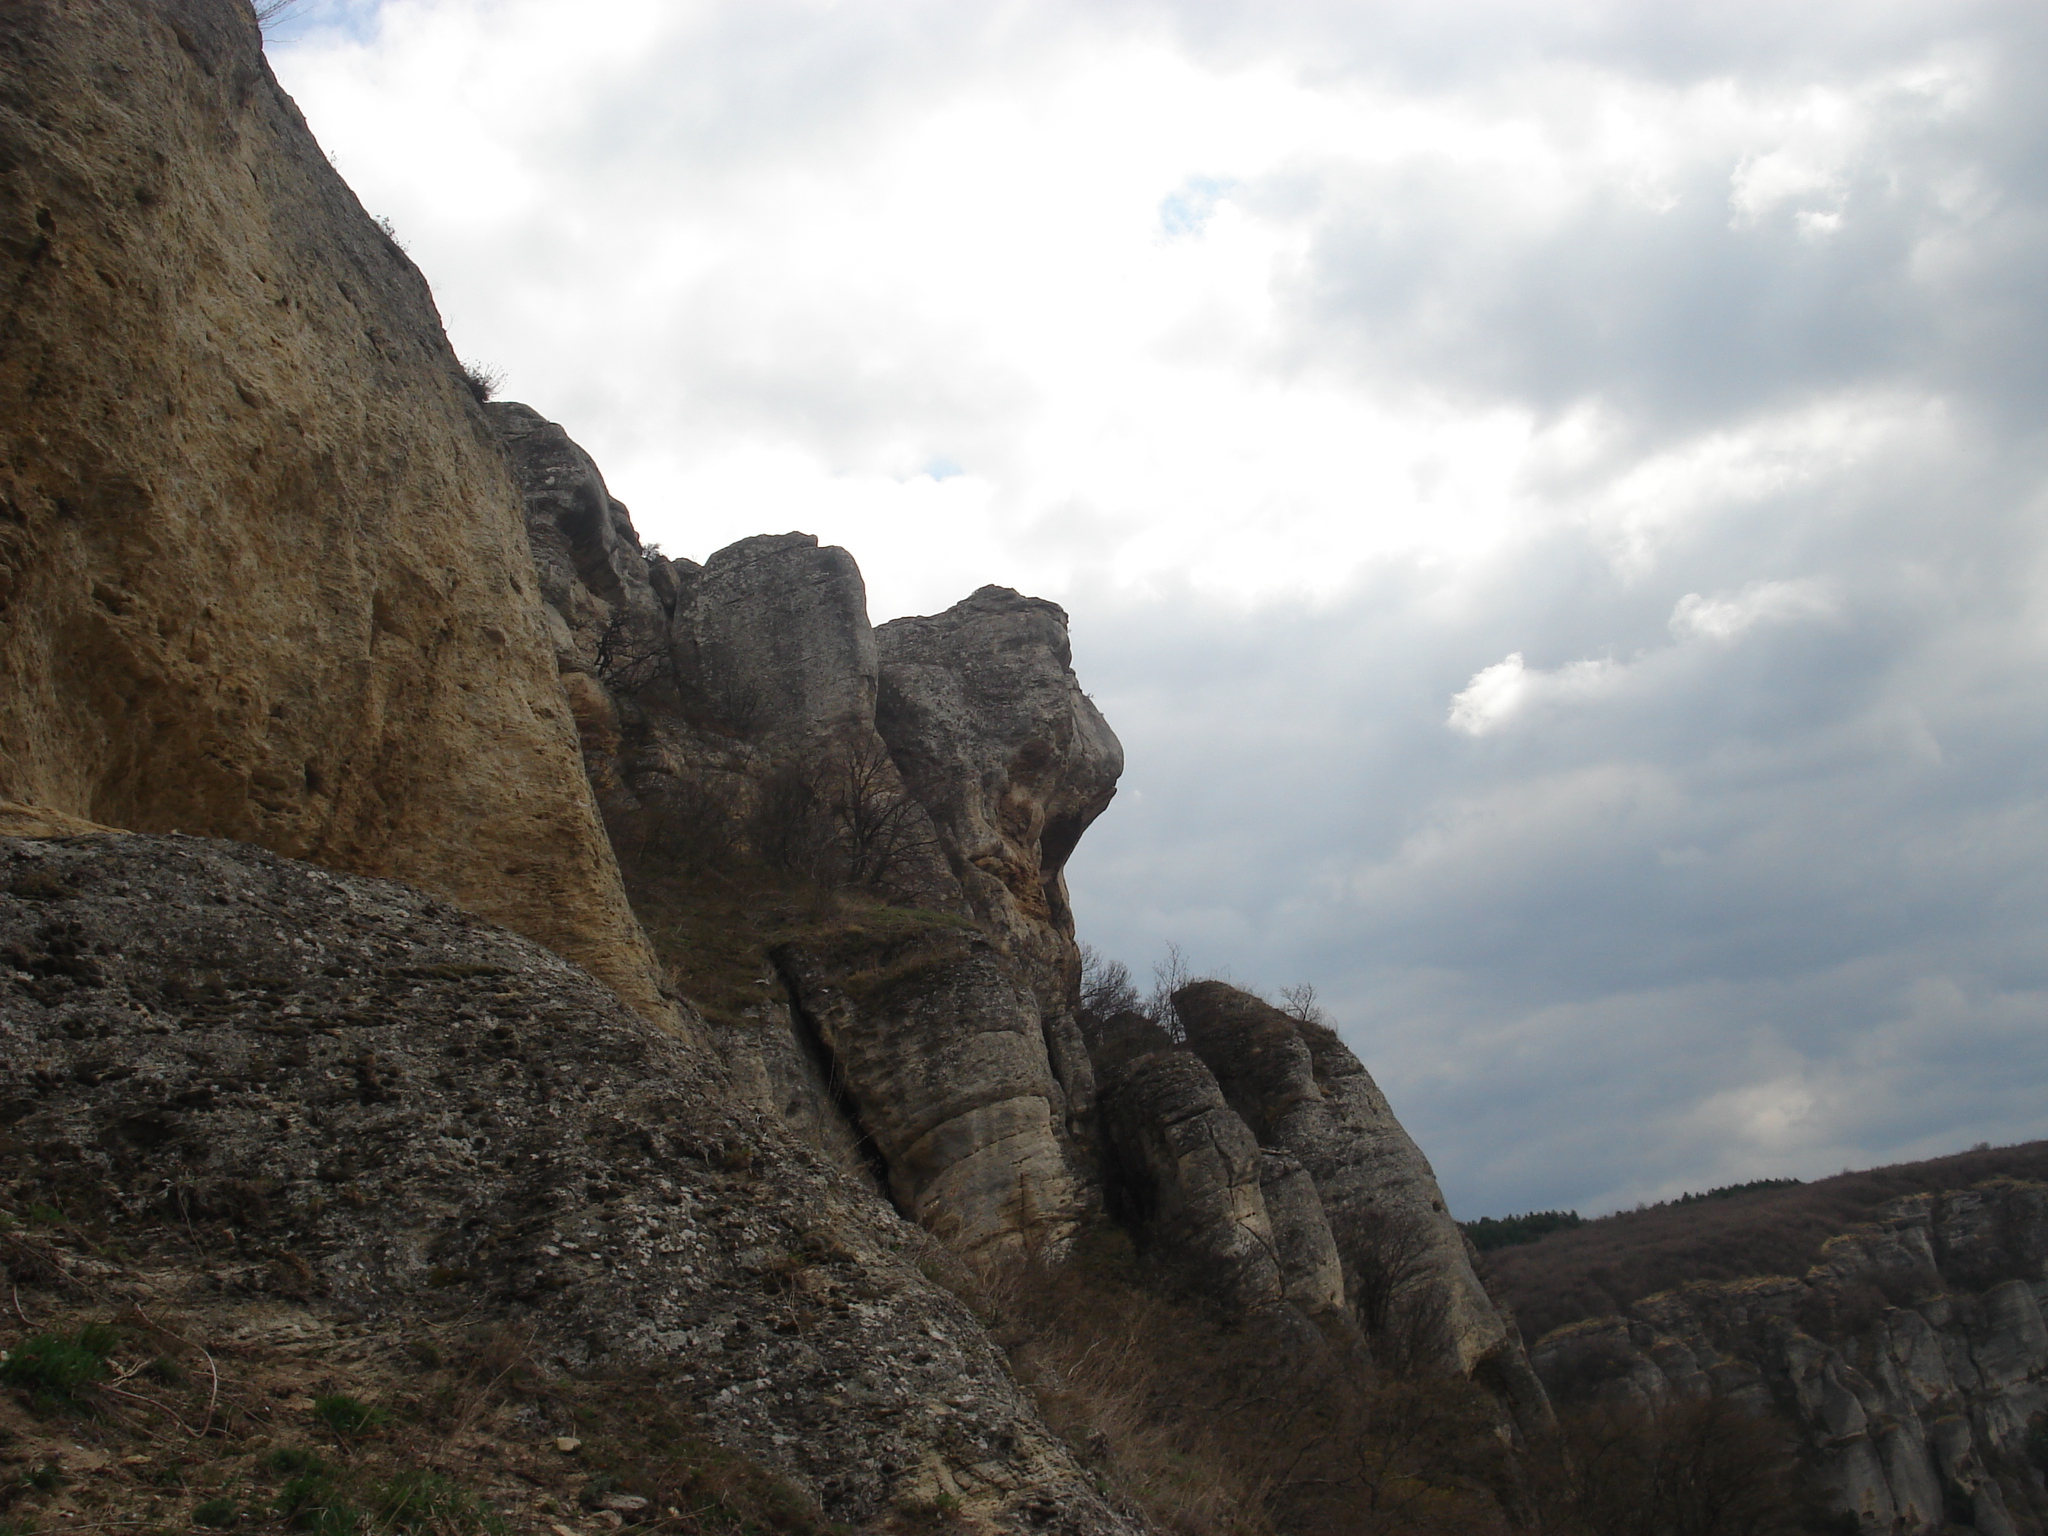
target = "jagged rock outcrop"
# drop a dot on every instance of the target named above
(1302, 1091)
(779, 641)
(262, 571)
(938, 1058)
(404, 1111)
(983, 713)
(1912, 1360)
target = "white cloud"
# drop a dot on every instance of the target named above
(1723, 618)
(1509, 690)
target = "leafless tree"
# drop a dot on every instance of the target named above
(1299, 1002)
(841, 817)
(1390, 1282)
(1106, 986)
(633, 652)
(1168, 977)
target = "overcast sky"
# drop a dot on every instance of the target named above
(1550, 494)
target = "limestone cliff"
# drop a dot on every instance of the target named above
(1912, 1360)
(262, 568)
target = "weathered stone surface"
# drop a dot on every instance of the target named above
(1302, 1091)
(262, 569)
(1311, 1273)
(1186, 1172)
(1908, 1387)
(994, 736)
(435, 1115)
(783, 649)
(581, 536)
(936, 1048)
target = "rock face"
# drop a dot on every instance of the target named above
(262, 573)
(1912, 1360)
(952, 761)
(432, 1114)
(983, 714)
(1302, 1092)
(1187, 1175)
(937, 1051)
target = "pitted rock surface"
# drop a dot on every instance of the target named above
(421, 1107)
(263, 572)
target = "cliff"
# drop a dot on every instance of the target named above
(1911, 1361)
(717, 1029)
(263, 573)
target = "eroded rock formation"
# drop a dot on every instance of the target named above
(262, 570)
(1303, 1092)
(1912, 1359)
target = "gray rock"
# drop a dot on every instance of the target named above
(1303, 1092)
(983, 715)
(1905, 1409)
(935, 1048)
(581, 536)
(440, 1117)
(1187, 1172)
(781, 647)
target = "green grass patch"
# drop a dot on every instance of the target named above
(348, 1416)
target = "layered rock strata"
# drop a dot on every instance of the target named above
(939, 1062)
(1912, 1360)
(430, 1115)
(1259, 1161)
(262, 570)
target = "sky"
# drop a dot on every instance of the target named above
(1549, 493)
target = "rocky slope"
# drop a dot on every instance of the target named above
(1912, 1359)
(398, 1110)
(262, 569)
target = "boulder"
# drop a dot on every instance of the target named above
(263, 569)
(983, 715)
(777, 627)
(1186, 1174)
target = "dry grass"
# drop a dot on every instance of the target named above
(213, 1410)
(1212, 1425)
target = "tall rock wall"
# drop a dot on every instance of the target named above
(262, 567)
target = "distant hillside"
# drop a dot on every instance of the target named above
(1600, 1267)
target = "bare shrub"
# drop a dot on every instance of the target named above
(841, 818)
(680, 823)
(1168, 977)
(1215, 1424)
(1390, 1281)
(1299, 1002)
(1106, 986)
(633, 653)
(1686, 1468)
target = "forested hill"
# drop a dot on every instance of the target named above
(1600, 1267)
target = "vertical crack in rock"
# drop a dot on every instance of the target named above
(839, 1099)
